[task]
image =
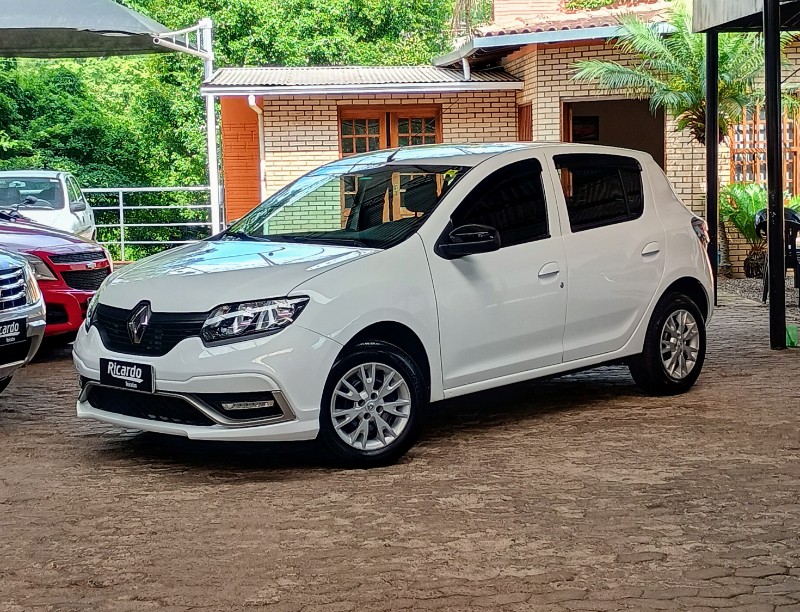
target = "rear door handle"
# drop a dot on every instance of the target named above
(549, 270)
(651, 249)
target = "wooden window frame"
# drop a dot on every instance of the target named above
(749, 150)
(388, 115)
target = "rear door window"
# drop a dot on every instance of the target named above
(600, 190)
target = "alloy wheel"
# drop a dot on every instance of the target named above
(680, 344)
(370, 406)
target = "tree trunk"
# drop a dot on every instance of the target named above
(725, 266)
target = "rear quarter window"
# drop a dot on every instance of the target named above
(600, 190)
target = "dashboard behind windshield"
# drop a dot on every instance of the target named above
(375, 207)
(27, 192)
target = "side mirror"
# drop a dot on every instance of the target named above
(469, 240)
(77, 206)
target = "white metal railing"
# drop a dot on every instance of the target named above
(123, 207)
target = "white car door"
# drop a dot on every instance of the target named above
(84, 217)
(614, 244)
(502, 312)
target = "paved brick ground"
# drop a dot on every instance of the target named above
(575, 494)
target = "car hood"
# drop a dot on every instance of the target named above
(60, 219)
(203, 275)
(24, 237)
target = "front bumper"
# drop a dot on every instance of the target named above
(66, 309)
(35, 317)
(292, 365)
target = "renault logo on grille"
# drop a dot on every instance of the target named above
(139, 321)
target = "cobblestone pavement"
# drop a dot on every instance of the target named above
(574, 494)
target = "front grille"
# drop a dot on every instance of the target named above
(12, 353)
(163, 333)
(86, 280)
(153, 407)
(56, 314)
(12, 289)
(78, 257)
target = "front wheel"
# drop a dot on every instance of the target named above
(372, 406)
(674, 348)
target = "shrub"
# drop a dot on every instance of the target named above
(738, 205)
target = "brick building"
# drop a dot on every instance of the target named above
(511, 81)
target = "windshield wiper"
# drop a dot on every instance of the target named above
(319, 240)
(244, 236)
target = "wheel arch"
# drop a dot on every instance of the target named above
(399, 335)
(692, 288)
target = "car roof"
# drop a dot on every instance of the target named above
(31, 173)
(468, 155)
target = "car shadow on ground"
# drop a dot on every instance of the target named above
(461, 417)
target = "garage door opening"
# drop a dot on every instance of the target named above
(616, 123)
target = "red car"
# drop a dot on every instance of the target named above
(69, 270)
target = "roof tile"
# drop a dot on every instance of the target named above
(649, 10)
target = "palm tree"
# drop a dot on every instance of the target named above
(670, 71)
(467, 14)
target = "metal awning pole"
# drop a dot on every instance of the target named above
(775, 236)
(206, 28)
(712, 151)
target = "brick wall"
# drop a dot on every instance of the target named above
(302, 132)
(319, 211)
(240, 156)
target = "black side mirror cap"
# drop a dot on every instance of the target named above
(469, 240)
(77, 206)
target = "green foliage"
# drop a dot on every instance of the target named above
(314, 32)
(139, 121)
(670, 71)
(587, 5)
(738, 205)
(740, 202)
(467, 14)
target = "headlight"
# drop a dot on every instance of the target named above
(234, 322)
(40, 268)
(32, 286)
(90, 310)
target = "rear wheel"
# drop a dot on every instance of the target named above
(674, 348)
(372, 406)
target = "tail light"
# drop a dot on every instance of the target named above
(700, 228)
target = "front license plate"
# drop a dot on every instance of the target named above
(127, 375)
(13, 331)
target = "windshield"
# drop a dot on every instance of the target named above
(22, 192)
(374, 206)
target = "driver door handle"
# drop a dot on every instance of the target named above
(549, 270)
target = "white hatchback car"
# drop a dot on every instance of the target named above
(351, 299)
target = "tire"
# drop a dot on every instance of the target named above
(355, 431)
(4, 382)
(665, 374)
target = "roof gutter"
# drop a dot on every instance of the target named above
(310, 90)
(534, 38)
